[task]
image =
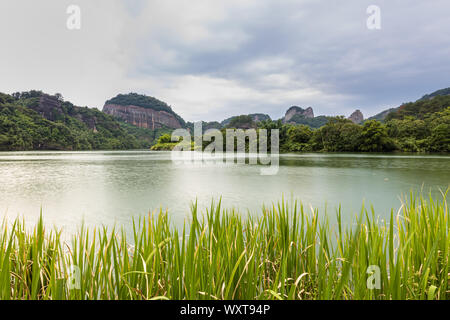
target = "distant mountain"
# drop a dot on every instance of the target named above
(34, 120)
(143, 111)
(256, 117)
(442, 92)
(297, 115)
(293, 111)
(383, 114)
(357, 117)
(422, 108)
(205, 126)
(241, 122)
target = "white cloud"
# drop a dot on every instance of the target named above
(208, 98)
(41, 53)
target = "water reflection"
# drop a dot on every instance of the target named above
(112, 187)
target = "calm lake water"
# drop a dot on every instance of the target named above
(112, 187)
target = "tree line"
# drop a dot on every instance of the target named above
(430, 133)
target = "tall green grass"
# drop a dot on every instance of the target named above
(285, 253)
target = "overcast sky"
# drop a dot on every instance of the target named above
(213, 59)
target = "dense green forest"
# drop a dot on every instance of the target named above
(314, 123)
(25, 124)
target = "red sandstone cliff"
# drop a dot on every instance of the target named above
(143, 117)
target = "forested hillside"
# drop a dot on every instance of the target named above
(420, 109)
(36, 121)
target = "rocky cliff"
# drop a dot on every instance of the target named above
(143, 112)
(53, 108)
(293, 111)
(47, 106)
(142, 117)
(356, 117)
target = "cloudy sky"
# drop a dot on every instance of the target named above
(212, 59)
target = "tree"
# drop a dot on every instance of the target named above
(298, 138)
(440, 138)
(374, 137)
(165, 138)
(299, 134)
(339, 134)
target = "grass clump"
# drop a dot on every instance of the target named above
(285, 253)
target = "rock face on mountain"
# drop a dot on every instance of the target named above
(142, 117)
(53, 108)
(293, 111)
(143, 112)
(356, 117)
(47, 106)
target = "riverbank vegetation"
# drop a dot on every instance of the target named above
(423, 126)
(287, 252)
(410, 129)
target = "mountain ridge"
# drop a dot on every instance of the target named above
(34, 120)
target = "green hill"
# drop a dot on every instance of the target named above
(382, 115)
(314, 123)
(205, 126)
(37, 121)
(420, 109)
(254, 117)
(442, 92)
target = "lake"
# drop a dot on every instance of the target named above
(107, 188)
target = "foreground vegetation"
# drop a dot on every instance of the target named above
(285, 253)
